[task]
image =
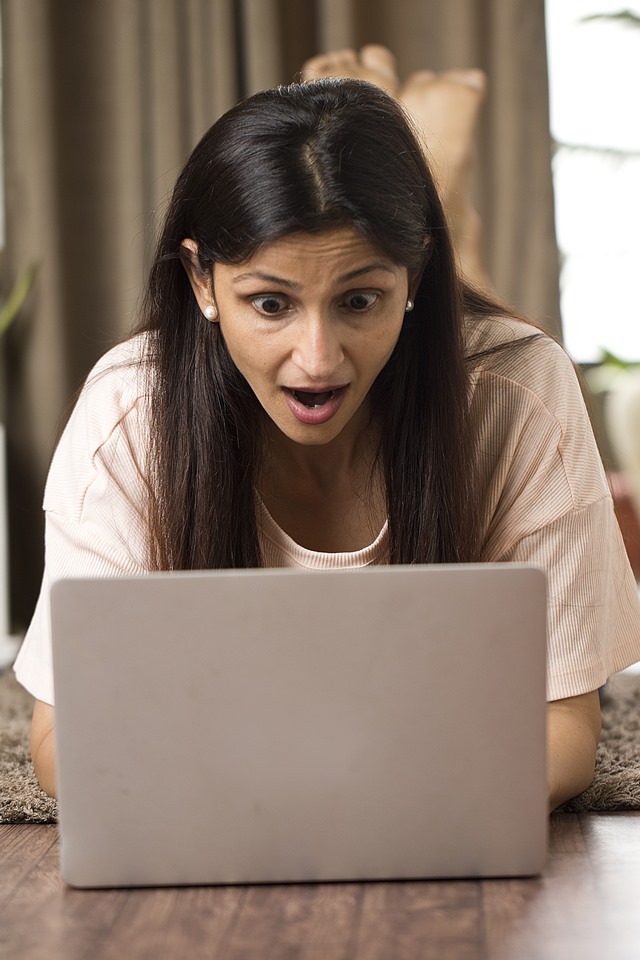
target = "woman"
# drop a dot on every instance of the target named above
(312, 386)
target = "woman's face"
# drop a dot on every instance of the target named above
(310, 321)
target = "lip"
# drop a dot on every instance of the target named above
(315, 415)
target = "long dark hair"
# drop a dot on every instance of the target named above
(306, 157)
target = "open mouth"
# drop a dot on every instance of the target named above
(314, 407)
(313, 400)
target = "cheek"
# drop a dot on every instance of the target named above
(250, 353)
(384, 344)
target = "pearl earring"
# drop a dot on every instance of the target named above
(410, 305)
(211, 312)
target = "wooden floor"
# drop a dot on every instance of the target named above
(586, 905)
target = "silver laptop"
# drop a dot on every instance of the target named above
(274, 725)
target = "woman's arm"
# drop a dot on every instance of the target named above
(43, 747)
(573, 732)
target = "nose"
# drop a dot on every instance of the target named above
(317, 351)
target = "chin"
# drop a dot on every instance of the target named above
(312, 436)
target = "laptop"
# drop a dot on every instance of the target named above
(267, 726)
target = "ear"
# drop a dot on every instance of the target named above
(200, 280)
(415, 278)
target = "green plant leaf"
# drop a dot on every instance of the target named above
(17, 297)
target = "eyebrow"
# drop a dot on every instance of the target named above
(292, 285)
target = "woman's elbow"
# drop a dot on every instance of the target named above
(43, 747)
(573, 732)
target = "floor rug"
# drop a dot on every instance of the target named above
(616, 785)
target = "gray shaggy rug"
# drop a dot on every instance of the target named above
(616, 785)
(21, 799)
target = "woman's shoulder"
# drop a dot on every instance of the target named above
(111, 408)
(122, 363)
(485, 336)
(116, 382)
(535, 441)
(519, 354)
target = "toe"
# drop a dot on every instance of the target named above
(375, 56)
(378, 65)
(314, 67)
(336, 63)
(417, 83)
(476, 79)
(422, 76)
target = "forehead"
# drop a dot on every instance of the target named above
(327, 249)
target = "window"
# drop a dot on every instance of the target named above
(594, 79)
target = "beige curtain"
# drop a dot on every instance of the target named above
(103, 101)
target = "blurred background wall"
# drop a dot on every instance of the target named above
(104, 100)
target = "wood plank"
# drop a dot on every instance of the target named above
(21, 848)
(612, 838)
(585, 904)
(173, 922)
(310, 921)
(612, 841)
(552, 917)
(45, 920)
(427, 919)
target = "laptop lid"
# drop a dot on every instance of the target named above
(277, 725)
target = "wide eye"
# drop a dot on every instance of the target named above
(360, 300)
(269, 304)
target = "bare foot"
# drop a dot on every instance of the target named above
(373, 63)
(445, 108)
